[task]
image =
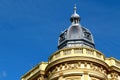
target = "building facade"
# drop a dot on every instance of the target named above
(76, 58)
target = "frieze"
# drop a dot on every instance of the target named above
(78, 65)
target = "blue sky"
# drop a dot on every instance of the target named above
(29, 30)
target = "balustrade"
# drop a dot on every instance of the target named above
(76, 52)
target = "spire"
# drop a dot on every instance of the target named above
(75, 9)
(75, 18)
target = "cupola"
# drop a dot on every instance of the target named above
(76, 35)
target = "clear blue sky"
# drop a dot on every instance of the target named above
(29, 30)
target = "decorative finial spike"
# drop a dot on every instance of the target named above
(75, 8)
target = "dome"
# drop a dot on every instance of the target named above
(74, 32)
(76, 35)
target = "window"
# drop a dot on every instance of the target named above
(87, 35)
(62, 37)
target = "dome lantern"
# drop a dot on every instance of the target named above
(75, 18)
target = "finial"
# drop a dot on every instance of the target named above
(75, 18)
(75, 8)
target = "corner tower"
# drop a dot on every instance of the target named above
(76, 58)
(76, 35)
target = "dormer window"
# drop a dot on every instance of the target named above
(87, 35)
(62, 38)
